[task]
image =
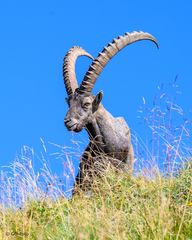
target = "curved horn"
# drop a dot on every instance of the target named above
(69, 75)
(107, 53)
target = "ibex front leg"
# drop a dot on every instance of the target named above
(83, 179)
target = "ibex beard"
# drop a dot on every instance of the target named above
(110, 138)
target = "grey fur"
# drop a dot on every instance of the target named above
(110, 138)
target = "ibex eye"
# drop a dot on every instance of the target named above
(86, 105)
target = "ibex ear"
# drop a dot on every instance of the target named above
(67, 101)
(97, 101)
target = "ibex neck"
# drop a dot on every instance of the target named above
(97, 124)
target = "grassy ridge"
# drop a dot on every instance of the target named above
(121, 207)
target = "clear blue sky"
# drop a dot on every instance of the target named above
(35, 35)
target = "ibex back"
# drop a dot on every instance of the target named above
(110, 137)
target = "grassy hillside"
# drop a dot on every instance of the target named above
(152, 204)
(121, 207)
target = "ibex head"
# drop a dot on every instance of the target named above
(81, 110)
(82, 104)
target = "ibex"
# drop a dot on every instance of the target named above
(109, 136)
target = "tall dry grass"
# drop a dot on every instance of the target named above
(121, 207)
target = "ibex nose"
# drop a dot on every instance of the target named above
(70, 123)
(66, 120)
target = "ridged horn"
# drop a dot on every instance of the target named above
(107, 53)
(69, 75)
